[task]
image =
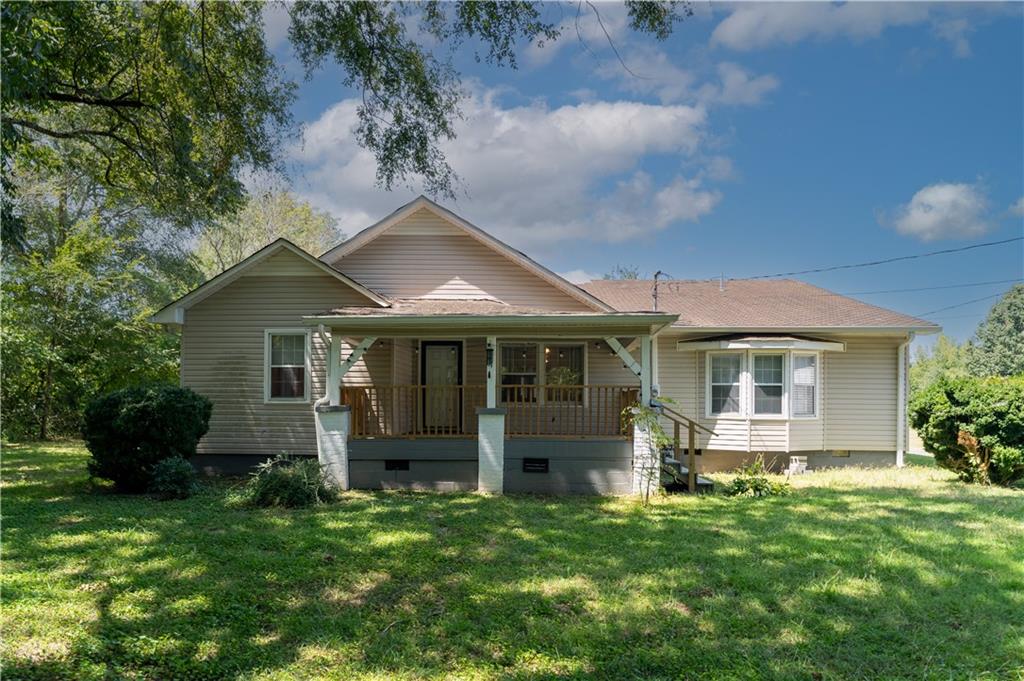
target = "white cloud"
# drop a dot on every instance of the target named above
(944, 211)
(1017, 208)
(533, 175)
(579, 276)
(757, 25)
(738, 86)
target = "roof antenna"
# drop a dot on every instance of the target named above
(654, 292)
(721, 281)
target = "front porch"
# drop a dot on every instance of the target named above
(527, 402)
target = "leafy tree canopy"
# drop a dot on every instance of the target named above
(946, 358)
(166, 102)
(265, 217)
(998, 349)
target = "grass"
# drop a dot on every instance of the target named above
(859, 574)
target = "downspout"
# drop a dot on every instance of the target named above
(901, 399)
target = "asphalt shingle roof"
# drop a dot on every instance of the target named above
(750, 304)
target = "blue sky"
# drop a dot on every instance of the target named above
(757, 139)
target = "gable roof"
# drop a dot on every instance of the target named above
(173, 313)
(754, 304)
(377, 229)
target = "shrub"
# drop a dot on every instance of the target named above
(129, 431)
(753, 481)
(173, 478)
(290, 483)
(974, 427)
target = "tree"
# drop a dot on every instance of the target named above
(265, 217)
(165, 102)
(623, 272)
(998, 349)
(75, 303)
(946, 358)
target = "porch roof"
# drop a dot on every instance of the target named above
(485, 314)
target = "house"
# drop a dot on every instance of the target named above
(424, 352)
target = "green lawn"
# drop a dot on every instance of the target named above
(859, 574)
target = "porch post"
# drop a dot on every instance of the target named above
(646, 467)
(334, 371)
(492, 375)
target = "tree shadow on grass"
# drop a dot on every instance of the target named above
(828, 583)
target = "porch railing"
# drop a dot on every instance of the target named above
(544, 411)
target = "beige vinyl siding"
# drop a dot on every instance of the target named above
(605, 367)
(222, 357)
(860, 397)
(426, 257)
(284, 263)
(857, 402)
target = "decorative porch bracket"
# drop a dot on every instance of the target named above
(624, 355)
(358, 352)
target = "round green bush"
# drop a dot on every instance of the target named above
(129, 431)
(290, 483)
(173, 478)
(974, 427)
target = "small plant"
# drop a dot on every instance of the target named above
(173, 478)
(289, 482)
(753, 481)
(129, 431)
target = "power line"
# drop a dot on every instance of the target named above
(872, 263)
(966, 302)
(929, 288)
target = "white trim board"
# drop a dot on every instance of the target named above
(762, 344)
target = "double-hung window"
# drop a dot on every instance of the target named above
(287, 366)
(805, 385)
(726, 372)
(563, 373)
(518, 372)
(768, 384)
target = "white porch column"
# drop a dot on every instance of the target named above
(492, 374)
(646, 467)
(333, 424)
(491, 449)
(334, 370)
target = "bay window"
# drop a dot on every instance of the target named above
(762, 384)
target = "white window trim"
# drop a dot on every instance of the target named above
(785, 386)
(746, 411)
(707, 385)
(542, 369)
(817, 385)
(308, 379)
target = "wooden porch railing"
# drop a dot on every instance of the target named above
(566, 411)
(551, 411)
(692, 427)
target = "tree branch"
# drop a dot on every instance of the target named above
(94, 101)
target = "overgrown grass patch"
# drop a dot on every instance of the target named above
(858, 574)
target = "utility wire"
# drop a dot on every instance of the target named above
(966, 302)
(872, 263)
(929, 288)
